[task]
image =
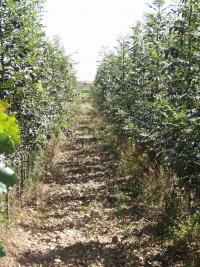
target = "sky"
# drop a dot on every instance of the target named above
(86, 26)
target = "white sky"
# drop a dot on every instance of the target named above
(85, 26)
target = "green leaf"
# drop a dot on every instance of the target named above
(3, 106)
(3, 117)
(9, 134)
(7, 145)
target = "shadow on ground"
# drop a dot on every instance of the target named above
(80, 255)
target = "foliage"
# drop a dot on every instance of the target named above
(186, 235)
(9, 138)
(36, 77)
(9, 131)
(188, 230)
(36, 84)
(149, 89)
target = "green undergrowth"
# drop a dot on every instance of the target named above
(84, 92)
(154, 192)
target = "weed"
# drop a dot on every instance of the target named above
(186, 234)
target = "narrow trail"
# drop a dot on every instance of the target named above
(73, 223)
(71, 218)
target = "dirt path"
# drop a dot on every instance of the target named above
(70, 218)
(73, 222)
